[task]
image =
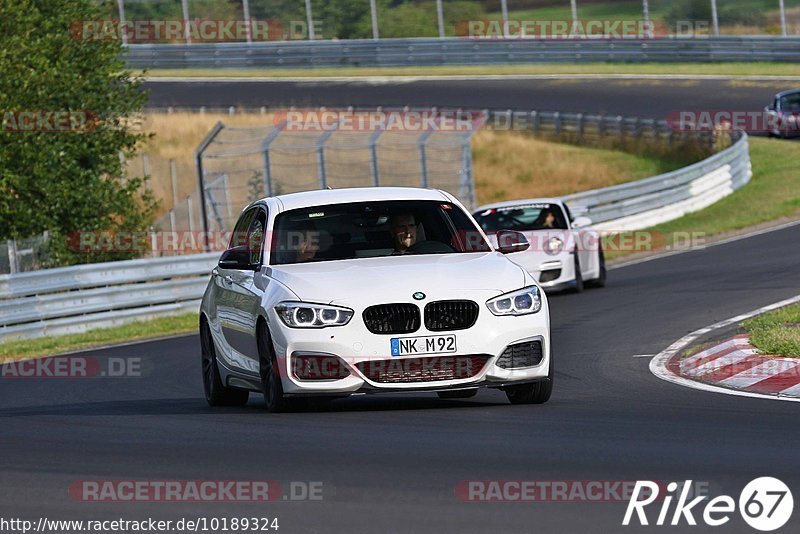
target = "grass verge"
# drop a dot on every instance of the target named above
(777, 332)
(687, 69)
(141, 330)
(772, 194)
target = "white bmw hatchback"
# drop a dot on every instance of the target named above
(339, 292)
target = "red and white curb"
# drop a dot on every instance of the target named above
(733, 367)
(736, 364)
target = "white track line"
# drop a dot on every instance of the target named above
(658, 365)
(463, 77)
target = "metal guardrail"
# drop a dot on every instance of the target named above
(666, 197)
(75, 299)
(460, 51)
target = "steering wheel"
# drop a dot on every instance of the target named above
(430, 247)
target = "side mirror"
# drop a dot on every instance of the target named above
(237, 258)
(769, 108)
(509, 241)
(581, 222)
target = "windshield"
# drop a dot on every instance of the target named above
(373, 229)
(791, 102)
(523, 218)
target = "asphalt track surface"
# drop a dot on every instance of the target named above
(646, 98)
(392, 463)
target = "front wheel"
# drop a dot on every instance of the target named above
(600, 281)
(216, 393)
(274, 399)
(536, 393)
(578, 287)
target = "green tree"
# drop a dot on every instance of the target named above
(66, 182)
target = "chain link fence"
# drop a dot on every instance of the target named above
(238, 165)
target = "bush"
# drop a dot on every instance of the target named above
(66, 181)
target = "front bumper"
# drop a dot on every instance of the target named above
(553, 273)
(354, 344)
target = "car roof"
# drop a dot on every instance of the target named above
(512, 203)
(356, 194)
(788, 92)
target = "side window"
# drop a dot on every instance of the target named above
(239, 235)
(255, 236)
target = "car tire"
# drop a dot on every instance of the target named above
(578, 284)
(216, 393)
(458, 394)
(600, 281)
(271, 386)
(536, 393)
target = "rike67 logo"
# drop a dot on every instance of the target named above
(765, 504)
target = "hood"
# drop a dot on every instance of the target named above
(397, 278)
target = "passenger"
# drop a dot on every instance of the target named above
(308, 245)
(546, 219)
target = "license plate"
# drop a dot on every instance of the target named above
(402, 346)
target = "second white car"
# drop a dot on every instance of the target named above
(565, 252)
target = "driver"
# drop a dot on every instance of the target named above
(404, 231)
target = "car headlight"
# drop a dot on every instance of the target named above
(553, 246)
(305, 315)
(521, 302)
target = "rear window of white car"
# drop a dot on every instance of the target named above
(370, 229)
(523, 218)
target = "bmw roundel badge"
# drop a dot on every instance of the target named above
(419, 295)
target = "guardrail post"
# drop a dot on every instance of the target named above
(247, 24)
(535, 122)
(601, 126)
(440, 18)
(557, 123)
(580, 127)
(12, 255)
(198, 158)
(310, 21)
(186, 32)
(373, 159)
(121, 7)
(374, 16)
